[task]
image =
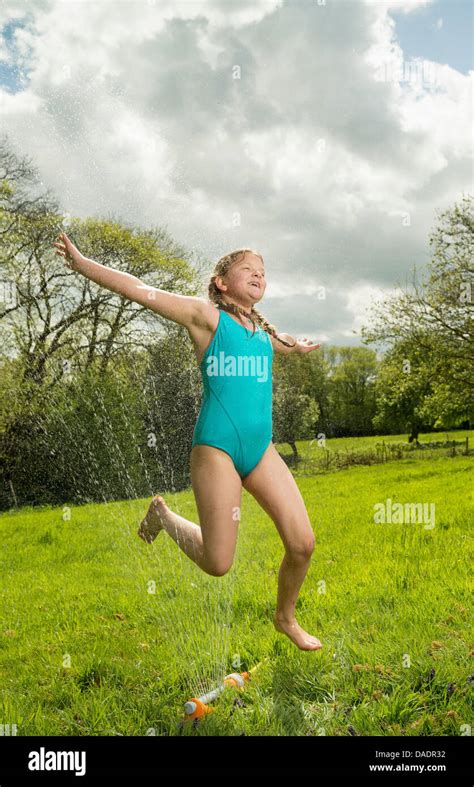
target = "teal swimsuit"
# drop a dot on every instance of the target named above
(236, 411)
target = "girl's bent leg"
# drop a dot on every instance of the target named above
(217, 488)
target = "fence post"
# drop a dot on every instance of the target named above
(13, 493)
(454, 448)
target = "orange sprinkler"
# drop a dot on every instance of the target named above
(197, 707)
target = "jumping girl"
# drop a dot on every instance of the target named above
(232, 441)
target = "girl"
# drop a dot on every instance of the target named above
(232, 441)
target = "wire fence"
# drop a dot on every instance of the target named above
(318, 458)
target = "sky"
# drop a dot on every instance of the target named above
(327, 135)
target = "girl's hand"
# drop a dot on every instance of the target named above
(65, 248)
(305, 346)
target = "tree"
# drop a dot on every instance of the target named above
(294, 412)
(55, 318)
(20, 197)
(315, 382)
(352, 390)
(74, 355)
(429, 328)
(402, 383)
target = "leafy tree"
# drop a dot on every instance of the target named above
(294, 412)
(429, 328)
(53, 317)
(352, 391)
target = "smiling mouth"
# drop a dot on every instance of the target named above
(254, 284)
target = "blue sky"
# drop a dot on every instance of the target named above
(449, 41)
(10, 77)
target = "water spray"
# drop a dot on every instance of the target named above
(198, 707)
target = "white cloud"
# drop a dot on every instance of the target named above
(403, 6)
(330, 154)
(362, 299)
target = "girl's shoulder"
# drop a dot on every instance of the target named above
(207, 315)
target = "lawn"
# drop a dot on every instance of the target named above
(103, 634)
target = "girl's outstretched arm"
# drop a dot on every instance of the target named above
(183, 309)
(300, 346)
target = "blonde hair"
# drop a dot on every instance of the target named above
(215, 294)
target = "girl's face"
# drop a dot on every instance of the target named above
(245, 280)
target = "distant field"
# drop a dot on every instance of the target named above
(103, 634)
(366, 442)
(316, 456)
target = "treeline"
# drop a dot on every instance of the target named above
(100, 395)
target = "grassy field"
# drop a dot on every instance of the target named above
(316, 456)
(370, 440)
(103, 634)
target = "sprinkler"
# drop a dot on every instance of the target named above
(198, 707)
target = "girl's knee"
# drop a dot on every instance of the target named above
(218, 567)
(303, 548)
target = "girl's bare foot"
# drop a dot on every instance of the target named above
(293, 630)
(152, 523)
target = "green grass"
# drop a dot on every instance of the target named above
(369, 441)
(335, 454)
(87, 647)
(308, 447)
